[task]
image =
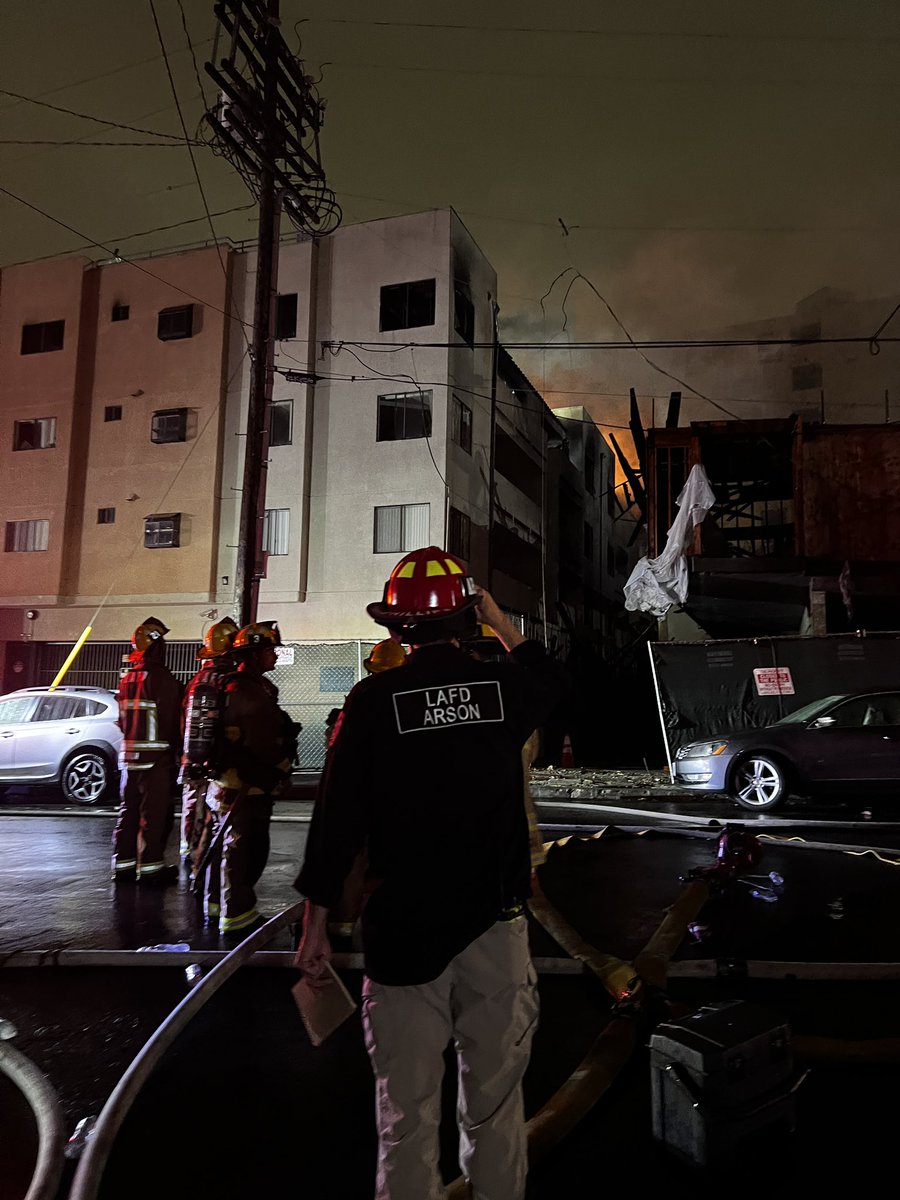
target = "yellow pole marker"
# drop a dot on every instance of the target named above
(72, 654)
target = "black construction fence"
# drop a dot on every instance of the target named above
(706, 688)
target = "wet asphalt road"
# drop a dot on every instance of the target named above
(83, 1026)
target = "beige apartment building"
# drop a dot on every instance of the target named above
(111, 415)
(123, 396)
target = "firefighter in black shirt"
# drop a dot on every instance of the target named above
(426, 770)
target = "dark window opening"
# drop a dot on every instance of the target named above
(461, 425)
(610, 559)
(39, 434)
(281, 422)
(106, 516)
(162, 530)
(407, 305)
(807, 375)
(112, 412)
(286, 316)
(590, 466)
(175, 323)
(588, 541)
(120, 312)
(169, 425)
(459, 534)
(463, 313)
(404, 416)
(42, 337)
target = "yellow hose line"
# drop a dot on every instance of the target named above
(653, 961)
(60, 675)
(577, 1096)
(614, 973)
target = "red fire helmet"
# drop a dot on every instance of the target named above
(426, 585)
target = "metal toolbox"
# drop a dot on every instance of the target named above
(718, 1076)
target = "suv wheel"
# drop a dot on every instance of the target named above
(85, 777)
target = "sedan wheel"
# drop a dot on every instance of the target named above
(759, 783)
(85, 777)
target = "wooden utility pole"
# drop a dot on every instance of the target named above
(267, 124)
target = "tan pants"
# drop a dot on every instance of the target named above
(486, 1002)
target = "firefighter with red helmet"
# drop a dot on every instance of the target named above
(149, 699)
(426, 771)
(260, 742)
(202, 730)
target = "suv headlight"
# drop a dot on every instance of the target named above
(703, 750)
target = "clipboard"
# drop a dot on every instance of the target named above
(325, 1008)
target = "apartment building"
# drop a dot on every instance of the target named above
(396, 422)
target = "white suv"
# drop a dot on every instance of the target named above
(68, 736)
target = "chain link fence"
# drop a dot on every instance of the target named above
(312, 678)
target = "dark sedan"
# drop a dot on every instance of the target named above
(840, 742)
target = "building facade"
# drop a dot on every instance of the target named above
(397, 421)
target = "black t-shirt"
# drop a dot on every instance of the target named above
(426, 772)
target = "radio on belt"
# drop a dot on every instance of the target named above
(719, 1075)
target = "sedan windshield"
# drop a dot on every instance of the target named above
(809, 711)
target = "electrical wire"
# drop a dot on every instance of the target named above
(81, 142)
(187, 142)
(119, 258)
(651, 34)
(87, 116)
(646, 344)
(190, 46)
(126, 237)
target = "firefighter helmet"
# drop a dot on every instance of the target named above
(257, 634)
(147, 633)
(385, 656)
(219, 638)
(427, 585)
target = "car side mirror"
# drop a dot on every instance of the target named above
(823, 722)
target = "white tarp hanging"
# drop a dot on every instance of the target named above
(656, 584)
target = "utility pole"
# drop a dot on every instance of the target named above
(492, 447)
(267, 124)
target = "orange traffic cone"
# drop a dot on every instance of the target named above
(566, 759)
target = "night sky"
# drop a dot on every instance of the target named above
(712, 163)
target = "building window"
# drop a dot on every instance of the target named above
(175, 323)
(120, 312)
(463, 313)
(112, 412)
(281, 422)
(106, 516)
(286, 317)
(26, 536)
(610, 559)
(407, 305)
(588, 541)
(162, 530)
(612, 506)
(35, 435)
(401, 527)
(590, 466)
(807, 375)
(461, 425)
(403, 416)
(169, 425)
(47, 335)
(276, 530)
(459, 534)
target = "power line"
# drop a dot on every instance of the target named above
(119, 258)
(86, 116)
(80, 142)
(653, 34)
(646, 344)
(187, 142)
(190, 46)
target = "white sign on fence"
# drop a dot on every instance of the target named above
(773, 681)
(285, 655)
